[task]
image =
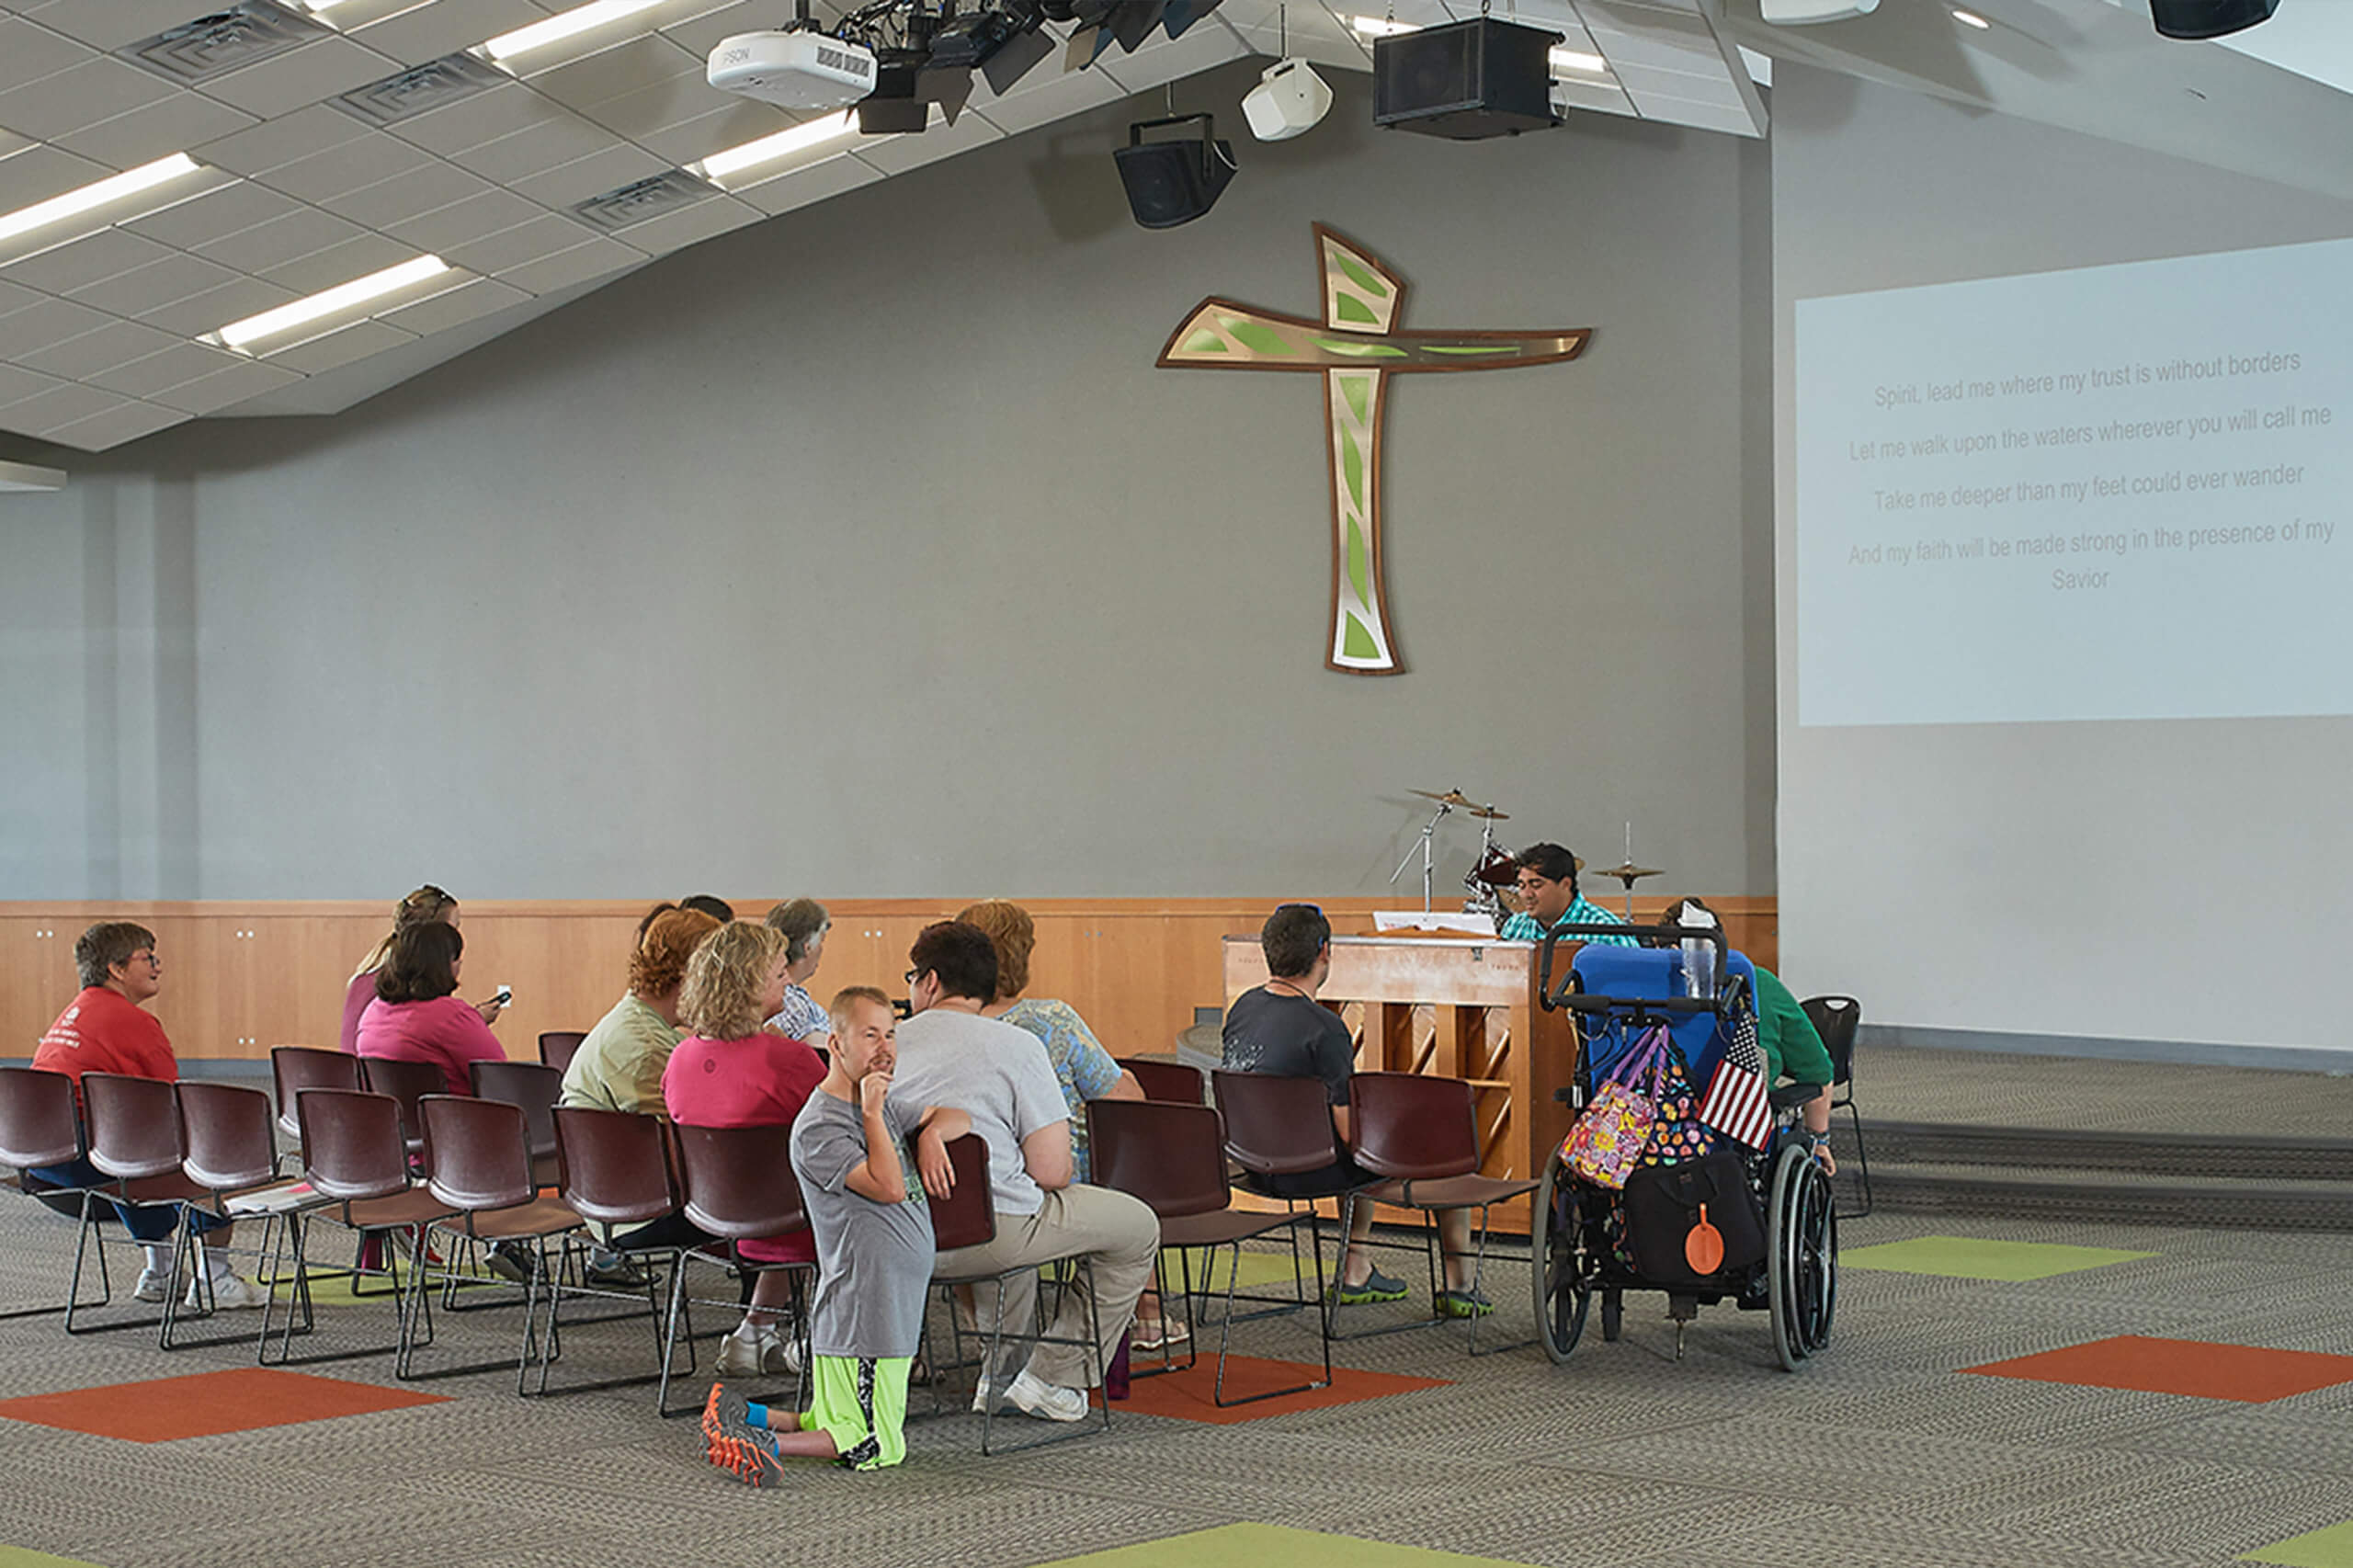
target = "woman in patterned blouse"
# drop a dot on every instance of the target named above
(803, 924)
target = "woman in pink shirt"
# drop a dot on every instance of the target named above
(729, 1073)
(416, 1018)
(427, 903)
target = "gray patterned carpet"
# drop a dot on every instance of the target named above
(1983, 1089)
(1878, 1453)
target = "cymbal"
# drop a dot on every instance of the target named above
(1456, 797)
(1630, 873)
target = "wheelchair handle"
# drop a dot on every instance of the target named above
(1553, 1001)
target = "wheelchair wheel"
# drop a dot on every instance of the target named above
(1557, 1261)
(1801, 1257)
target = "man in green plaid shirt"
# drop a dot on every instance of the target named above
(1549, 896)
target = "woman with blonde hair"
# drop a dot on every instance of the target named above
(426, 905)
(729, 1071)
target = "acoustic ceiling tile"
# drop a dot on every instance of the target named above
(157, 130)
(428, 32)
(409, 194)
(477, 216)
(657, 106)
(124, 422)
(675, 230)
(28, 53)
(610, 169)
(1733, 119)
(340, 170)
(700, 35)
(287, 82)
(1042, 96)
(1606, 97)
(596, 259)
(215, 215)
(485, 117)
(16, 296)
(305, 231)
(731, 123)
(608, 74)
(216, 307)
(455, 307)
(559, 139)
(158, 284)
(81, 96)
(110, 24)
(1708, 86)
(338, 265)
(173, 366)
(899, 153)
(38, 173)
(49, 322)
(16, 383)
(61, 405)
(340, 347)
(93, 259)
(519, 246)
(806, 187)
(117, 342)
(207, 394)
(274, 143)
(1163, 61)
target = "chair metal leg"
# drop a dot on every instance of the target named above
(1862, 1162)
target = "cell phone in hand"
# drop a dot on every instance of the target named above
(503, 996)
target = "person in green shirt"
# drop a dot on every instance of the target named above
(1792, 1046)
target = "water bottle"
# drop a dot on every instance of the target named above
(1699, 968)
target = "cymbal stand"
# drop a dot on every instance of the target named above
(1445, 808)
(1483, 899)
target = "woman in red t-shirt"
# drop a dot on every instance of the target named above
(728, 1073)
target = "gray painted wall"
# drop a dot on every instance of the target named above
(865, 550)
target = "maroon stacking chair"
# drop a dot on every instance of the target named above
(557, 1047)
(967, 1218)
(407, 1083)
(614, 1168)
(293, 1068)
(1173, 1157)
(355, 1157)
(229, 1153)
(534, 1086)
(735, 1185)
(41, 1126)
(478, 1166)
(1420, 1132)
(1279, 1127)
(1166, 1080)
(135, 1131)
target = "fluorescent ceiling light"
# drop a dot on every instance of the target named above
(1577, 60)
(768, 149)
(115, 188)
(343, 297)
(561, 26)
(1378, 27)
(1971, 18)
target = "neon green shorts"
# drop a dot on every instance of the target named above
(861, 1404)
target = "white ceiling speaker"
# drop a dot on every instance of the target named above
(1805, 13)
(1289, 100)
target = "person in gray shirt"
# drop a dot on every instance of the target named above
(867, 1210)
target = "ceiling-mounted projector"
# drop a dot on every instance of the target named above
(797, 70)
(1289, 100)
(1804, 13)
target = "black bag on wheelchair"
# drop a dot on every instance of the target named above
(1662, 1205)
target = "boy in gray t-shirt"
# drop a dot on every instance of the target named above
(872, 1225)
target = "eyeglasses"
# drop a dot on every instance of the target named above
(915, 974)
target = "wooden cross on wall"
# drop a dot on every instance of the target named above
(1356, 347)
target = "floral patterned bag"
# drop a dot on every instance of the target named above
(1608, 1140)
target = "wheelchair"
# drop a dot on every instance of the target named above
(1781, 1257)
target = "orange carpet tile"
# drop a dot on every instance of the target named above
(1187, 1396)
(2247, 1373)
(206, 1403)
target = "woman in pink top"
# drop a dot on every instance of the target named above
(427, 903)
(728, 1073)
(415, 1018)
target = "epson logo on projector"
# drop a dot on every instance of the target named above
(797, 70)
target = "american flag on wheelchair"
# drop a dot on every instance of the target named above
(1737, 1104)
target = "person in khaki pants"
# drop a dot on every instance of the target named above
(1002, 1077)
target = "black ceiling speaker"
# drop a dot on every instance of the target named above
(1174, 182)
(2209, 18)
(1464, 81)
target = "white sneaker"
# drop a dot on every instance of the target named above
(1047, 1402)
(231, 1292)
(764, 1350)
(152, 1284)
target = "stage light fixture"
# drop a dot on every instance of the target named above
(2209, 18)
(892, 110)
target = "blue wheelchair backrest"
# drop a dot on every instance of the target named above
(1651, 975)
